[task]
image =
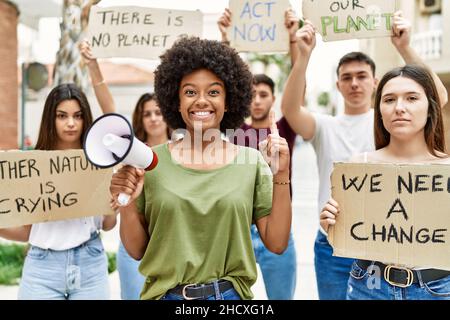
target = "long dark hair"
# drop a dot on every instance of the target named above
(47, 133)
(138, 115)
(434, 128)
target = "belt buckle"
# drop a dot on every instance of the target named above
(183, 291)
(409, 276)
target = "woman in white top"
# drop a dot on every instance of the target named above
(408, 129)
(66, 259)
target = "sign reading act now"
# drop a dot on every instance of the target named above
(393, 213)
(258, 25)
(39, 186)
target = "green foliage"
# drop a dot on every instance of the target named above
(12, 257)
(282, 61)
(323, 99)
(112, 266)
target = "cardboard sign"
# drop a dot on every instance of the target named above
(351, 19)
(139, 32)
(390, 213)
(258, 25)
(39, 186)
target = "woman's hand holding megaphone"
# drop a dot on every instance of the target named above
(128, 180)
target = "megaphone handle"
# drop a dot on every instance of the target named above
(123, 199)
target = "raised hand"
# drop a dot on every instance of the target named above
(224, 23)
(86, 53)
(306, 38)
(401, 31)
(275, 149)
(291, 23)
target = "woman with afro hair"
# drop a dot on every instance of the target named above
(191, 218)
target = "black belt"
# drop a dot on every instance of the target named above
(200, 291)
(404, 277)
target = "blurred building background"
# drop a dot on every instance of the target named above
(30, 31)
(34, 29)
(431, 39)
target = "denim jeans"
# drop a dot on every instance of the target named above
(279, 271)
(365, 285)
(332, 273)
(80, 273)
(131, 280)
(230, 294)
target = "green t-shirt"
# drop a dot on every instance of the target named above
(199, 222)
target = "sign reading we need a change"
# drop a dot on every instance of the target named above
(40, 186)
(258, 25)
(139, 32)
(392, 213)
(351, 19)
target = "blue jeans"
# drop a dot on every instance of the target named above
(364, 285)
(332, 273)
(80, 273)
(131, 281)
(279, 271)
(230, 294)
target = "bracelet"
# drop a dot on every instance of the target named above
(99, 83)
(226, 42)
(282, 183)
(292, 41)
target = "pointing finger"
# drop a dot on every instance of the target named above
(273, 124)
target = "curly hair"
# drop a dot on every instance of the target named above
(190, 54)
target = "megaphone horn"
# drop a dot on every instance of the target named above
(110, 141)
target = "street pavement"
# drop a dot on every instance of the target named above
(304, 228)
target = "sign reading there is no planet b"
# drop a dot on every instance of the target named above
(258, 25)
(139, 32)
(351, 19)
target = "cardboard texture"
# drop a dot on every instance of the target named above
(351, 19)
(39, 186)
(400, 215)
(258, 26)
(139, 32)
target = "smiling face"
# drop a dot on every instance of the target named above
(357, 84)
(69, 124)
(202, 100)
(404, 108)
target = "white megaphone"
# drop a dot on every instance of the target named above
(110, 141)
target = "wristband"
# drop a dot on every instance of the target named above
(98, 84)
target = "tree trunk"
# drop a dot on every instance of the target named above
(9, 18)
(73, 30)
